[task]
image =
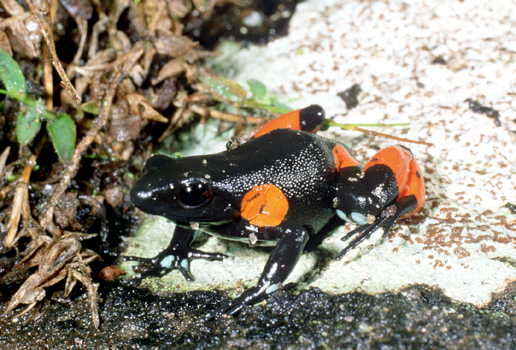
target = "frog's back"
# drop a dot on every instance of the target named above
(300, 164)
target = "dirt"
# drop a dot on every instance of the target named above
(417, 317)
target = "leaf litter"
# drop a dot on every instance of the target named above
(101, 75)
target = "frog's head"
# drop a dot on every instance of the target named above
(180, 190)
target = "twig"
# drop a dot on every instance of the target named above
(174, 123)
(82, 24)
(402, 139)
(20, 204)
(48, 77)
(49, 40)
(3, 160)
(207, 112)
(7, 22)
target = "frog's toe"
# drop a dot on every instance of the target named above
(135, 258)
(144, 263)
(197, 254)
(232, 309)
(146, 266)
(248, 297)
(159, 266)
(184, 268)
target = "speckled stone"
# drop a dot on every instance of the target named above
(417, 62)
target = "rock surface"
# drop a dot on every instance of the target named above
(425, 63)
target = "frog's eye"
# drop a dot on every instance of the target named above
(194, 194)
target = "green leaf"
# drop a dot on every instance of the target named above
(63, 135)
(257, 88)
(28, 124)
(224, 88)
(11, 74)
(278, 106)
(90, 107)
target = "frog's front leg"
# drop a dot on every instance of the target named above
(177, 256)
(281, 262)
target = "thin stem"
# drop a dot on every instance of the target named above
(352, 126)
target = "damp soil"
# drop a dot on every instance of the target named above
(416, 317)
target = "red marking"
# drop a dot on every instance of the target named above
(397, 159)
(342, 157)
(290, 120)
(415, 186)
(406, 171)
(264, 206)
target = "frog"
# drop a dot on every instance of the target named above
(286, 187)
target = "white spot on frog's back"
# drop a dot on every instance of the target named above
(298, 174)
(379, 192)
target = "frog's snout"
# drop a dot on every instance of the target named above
(140, 194)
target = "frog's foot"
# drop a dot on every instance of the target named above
(175, 258)
(249, 297)
(386, 220)
(281, 262)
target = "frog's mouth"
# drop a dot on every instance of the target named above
(196, 225)
(200, 225)
(205, 227)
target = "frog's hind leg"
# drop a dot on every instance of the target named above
(281, 262)
(400, 161)
(390, 187)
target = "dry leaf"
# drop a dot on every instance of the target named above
(139, 105)
(25, 37)
(4, 43)
(180, 8)
(173, 45)
(12, 7)
(172, 68)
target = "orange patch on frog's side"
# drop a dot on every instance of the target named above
(264, 206)
(397, 159)
(290, 120)
(406, 171)
(342, 157)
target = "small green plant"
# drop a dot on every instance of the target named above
(255, 97)
(263, 99)
(60, 127)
